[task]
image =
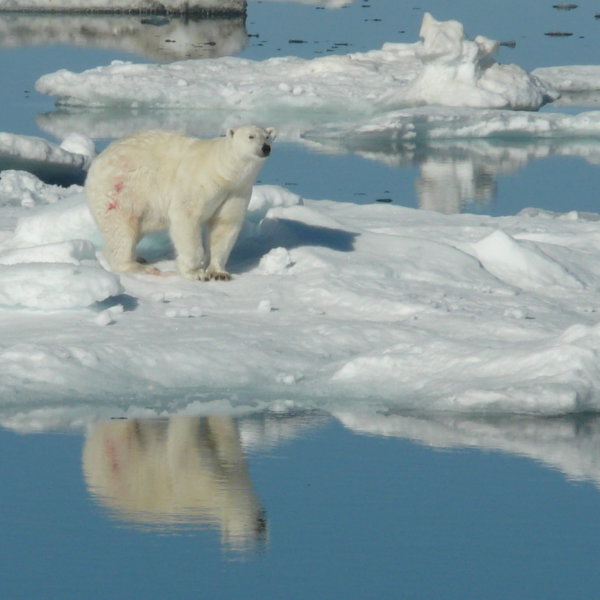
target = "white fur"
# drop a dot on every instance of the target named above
(155, 180)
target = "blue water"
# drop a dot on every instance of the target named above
(348, 514)
(549, 175)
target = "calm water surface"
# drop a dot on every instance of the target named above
(300, 507)
(286, 506)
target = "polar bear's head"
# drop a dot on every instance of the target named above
(252, 141)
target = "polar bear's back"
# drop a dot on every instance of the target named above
(142, 168)
(156, 150)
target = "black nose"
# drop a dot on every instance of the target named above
(266, 149)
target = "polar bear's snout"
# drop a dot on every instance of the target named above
(266, 149)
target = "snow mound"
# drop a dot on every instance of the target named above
(54, 286)
(46, 264)
(445, 69)
(19, 188)
(522, 264)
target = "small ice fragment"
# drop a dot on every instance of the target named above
(158, 297)
(276, 262)
(104, 318)
(117, 309)
(264, 306)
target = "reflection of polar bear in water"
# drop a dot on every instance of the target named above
(156, 180)
(185, 470)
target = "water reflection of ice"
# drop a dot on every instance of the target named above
(569, 444)
(454, 172)
(163, 39)
(150, 471)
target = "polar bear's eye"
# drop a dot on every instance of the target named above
(251, 137)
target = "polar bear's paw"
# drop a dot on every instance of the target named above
(194, 274)
(220, 276)
(215, 275)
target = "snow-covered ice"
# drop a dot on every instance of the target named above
(445, 86)
(333, 304)
(571, 78)
(445, 69)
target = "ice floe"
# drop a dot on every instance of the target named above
(444, 69)
(374, 306)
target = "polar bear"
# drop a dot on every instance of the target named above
(157, 180)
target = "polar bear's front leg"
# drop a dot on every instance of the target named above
(186, 237)
(222, 232)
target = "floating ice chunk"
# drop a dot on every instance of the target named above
(572, 78)
(460, 72)
(445, 69)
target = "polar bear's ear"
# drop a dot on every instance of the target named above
(272, 132)
(230, 132)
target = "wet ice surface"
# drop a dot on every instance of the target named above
(364, 334)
